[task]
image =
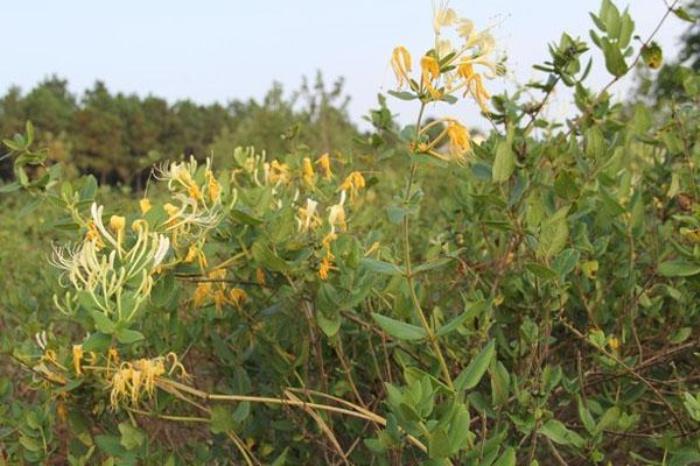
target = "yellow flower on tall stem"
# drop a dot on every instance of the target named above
(460, 141)
(401, 64)
(77, 359)
(353, 183)
(309, 174)
(430, 72)
(144, 205)
(325, 162)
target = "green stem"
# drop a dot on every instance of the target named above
(409, 271)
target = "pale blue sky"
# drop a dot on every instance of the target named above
(218, 50)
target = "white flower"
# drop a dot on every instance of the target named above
(307, 218)
(442, 16)
(336, 215)
(96, 213)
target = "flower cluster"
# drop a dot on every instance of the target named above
(116, 274)
(135, 379)
(197, 205)
(214, 289)
(448, 70)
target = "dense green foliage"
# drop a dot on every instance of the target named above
(417, 298)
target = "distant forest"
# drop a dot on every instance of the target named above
(117, 137)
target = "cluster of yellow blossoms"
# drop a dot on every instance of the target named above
(196, 208)
(136, 379)
(215, 289)
(448, 70)
(128, 381)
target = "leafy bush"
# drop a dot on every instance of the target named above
(429, 299)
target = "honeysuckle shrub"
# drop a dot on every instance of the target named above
(430, 298)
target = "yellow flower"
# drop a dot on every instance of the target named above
(276, 172)
(474, 84)
(430, 67)
(201, 293)
(328, 240)
(112, 356)
(309, 175)
(401, 64)
(238, 296)
(194, 192)
(171, 210)
(459, 138)
(61, 411)
(336, 215)
(466, 71)
(219, 297)
(195, 252)
(479, 92)
(325, 162)
(443, 16)
(192, 253)
(93, 235)
(430, 72)
(213, 187)
(353, 183)
(116, 224)
(325, 267)
(307, 218)
(260, 276)
(77, 358)
(135, 379)
(614, 343)
(144, 205)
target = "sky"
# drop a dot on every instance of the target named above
(221, 50)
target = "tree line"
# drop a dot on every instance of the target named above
(117, 137)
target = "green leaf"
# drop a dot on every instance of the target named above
(458, 430)
(438, 444)
(683, 14)
(30, 443)
(679, 268)
(472, 374)
(585, 416)
(97, 342)
(559, 433)
(541, 271)
(553, 234)
(128, 336)
(398, 329)
(263, 254)
(681, 335)
(396, 214)
(131, 436)
(614, 60)
(434, 264)
(566, 261)
(626, 30)
(328, 309)
(10, 187)
(504, 162)
(403, 95)
(102, 322)
(385, 268)
(453, 325)
(507, 458)
(245, 218)
(500, 384)
(221, 420)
